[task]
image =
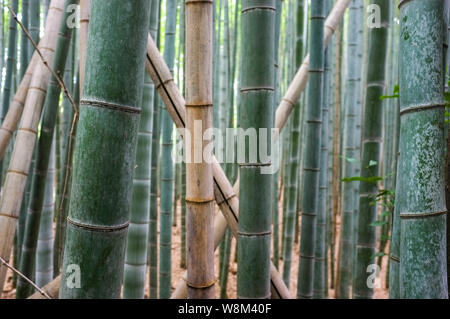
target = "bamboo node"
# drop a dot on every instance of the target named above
(421, 107)
(259, 234)
(9, 215)
(13, 171)
(422, 215)
(27, 130)
(98, 227)
(199, 105)
(199, 200)
(203, 286)
(258, 7)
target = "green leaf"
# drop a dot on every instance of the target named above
(378, 223)
(372, 163)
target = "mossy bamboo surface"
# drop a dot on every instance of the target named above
(26, 136)
(107, 126)
(420, 178)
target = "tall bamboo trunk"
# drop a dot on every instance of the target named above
(199, 179)
(167, 169)
(137, 239)
(44, 148)
(311, 164)
(105, 150)
(294, 158)
(25, 139)
(257, 93)
(153, 225)
(420, 179)
(349, 163)
(370, 158)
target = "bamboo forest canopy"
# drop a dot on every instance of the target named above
(201, 149)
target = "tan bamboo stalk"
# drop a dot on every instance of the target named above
(85, 10)
(15, 109)
(26, 136)
(199, 178)
(51, 289)
(298, 84)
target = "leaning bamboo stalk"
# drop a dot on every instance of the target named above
(11, 119)
(51, 289)
(26, 136)
(199, 178)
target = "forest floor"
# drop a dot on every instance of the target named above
(177, 271)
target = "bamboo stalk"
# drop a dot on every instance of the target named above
(109, 112)
(26, 136)
(199, 178)
(420, 177)
(44, 147)
(51, 289)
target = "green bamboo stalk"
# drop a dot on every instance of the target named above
(226, 262)
(276, 176)
(44, 250)
(34, 19)
(370, 158)
(311, 165)
(153, 227)
(65, 123)
(98, 226)
(167, 174)
(294, 160)
(137, 238)
(420, 179)
(10, 67)
(45, 6)
(24, 55)
(349, 163)
(257, 89)
(44, 146)
(320, 290)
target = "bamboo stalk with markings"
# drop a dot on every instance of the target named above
(108, 125)
(199, 178)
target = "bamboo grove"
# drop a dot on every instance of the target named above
(207, 149)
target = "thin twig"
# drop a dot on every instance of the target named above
(72, 102)
(24, 277)
(55, 75)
